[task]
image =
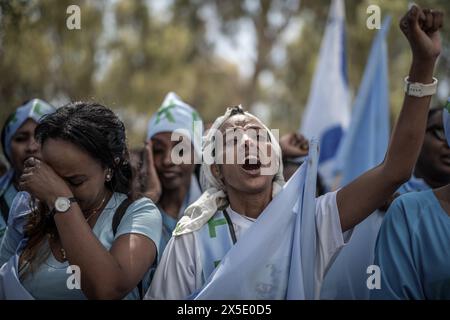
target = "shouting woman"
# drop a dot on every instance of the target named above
(236, 194)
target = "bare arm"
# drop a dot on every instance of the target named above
(368, 192)
(104, 274)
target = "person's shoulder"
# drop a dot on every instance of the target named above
(141, 208)
(411, 206)
(141, 217)
(327, 196)
(141, 203)
(327, 200)
(144, 206)
(144, 202)
(415, 200)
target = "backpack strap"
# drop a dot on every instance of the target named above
(118, 215)
(120, 212)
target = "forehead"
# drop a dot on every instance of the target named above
(165, 139)
(241, 121)
(162, 137)
(28, 126)
(67, 159)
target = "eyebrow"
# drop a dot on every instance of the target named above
(254, 126)
(23, 132)
(244, 127)
(161, 141)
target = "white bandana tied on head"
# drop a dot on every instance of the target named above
(214, 197)
(446, 120)
(176, 115)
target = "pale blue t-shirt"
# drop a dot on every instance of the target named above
(17, 218)
(49, 280)
(9, 195)
(414, 184)
(169, 223)
(413, 249)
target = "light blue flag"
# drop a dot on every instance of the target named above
(327, 112)
(274, 259)
(363, 148)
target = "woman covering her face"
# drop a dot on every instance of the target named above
(78, 187)
(18, 144)
(236, 193)
(172, 185)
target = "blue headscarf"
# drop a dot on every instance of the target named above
(33, 109)
(446, 120)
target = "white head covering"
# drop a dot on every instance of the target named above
(214, 197)
(173, 115)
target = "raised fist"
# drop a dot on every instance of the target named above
(421, 28)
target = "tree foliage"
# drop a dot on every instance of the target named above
(128, 55)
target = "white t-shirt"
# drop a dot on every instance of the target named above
(180, 270)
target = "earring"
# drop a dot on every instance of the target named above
(108, 176)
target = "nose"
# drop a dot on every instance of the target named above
(167, 159)
(249, 139)
(33, 147)
(250, 144)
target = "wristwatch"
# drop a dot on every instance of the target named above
(417, 89)
(62, 204)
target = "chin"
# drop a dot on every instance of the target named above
(172, 184)
(254, 188)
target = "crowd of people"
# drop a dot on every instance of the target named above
(141, 224)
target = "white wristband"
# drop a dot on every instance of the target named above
(417, 89)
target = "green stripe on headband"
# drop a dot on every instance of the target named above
(165, 111)
(37, 109)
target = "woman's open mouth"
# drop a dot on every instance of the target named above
(252, 166)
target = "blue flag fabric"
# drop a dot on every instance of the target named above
(363, 148)
(327, 112)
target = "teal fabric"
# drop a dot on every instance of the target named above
(413, 249)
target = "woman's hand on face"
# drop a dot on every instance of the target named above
(294, 145)
(152, 185)
(421, 28)
(42, 182)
